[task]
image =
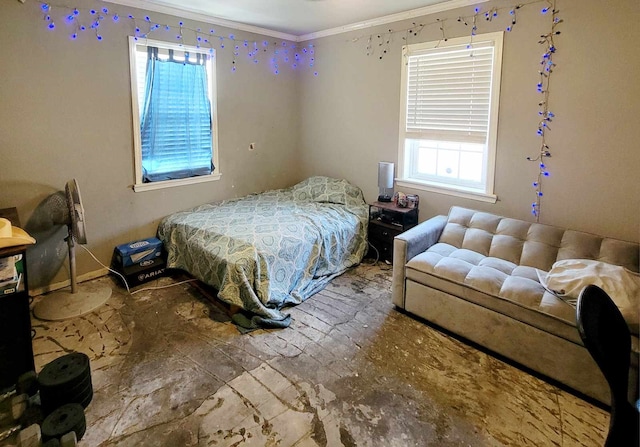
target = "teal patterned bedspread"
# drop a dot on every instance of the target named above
(268, 250)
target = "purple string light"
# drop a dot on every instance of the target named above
(146, 27)
(546, 116)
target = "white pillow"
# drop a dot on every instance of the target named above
(568, 277)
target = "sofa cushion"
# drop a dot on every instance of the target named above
(514, 240)
(494, 283)
(578, 245)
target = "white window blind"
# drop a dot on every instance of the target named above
(449, 93)
(449, 115)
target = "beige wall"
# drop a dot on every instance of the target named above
(65, 112)
(350, 114)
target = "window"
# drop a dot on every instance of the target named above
(174, 120)
(449, 115)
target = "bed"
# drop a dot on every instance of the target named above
(269, 250)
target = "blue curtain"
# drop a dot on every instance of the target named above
(175, 122)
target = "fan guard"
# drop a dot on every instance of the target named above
(63, 304)
(76, 211)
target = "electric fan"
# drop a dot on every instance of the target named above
(63, 304)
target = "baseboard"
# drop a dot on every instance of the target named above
(61, 285)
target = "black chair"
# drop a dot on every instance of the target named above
(606, 336)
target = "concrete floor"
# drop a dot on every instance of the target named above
(170, 369)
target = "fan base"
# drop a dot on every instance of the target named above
(63, 304)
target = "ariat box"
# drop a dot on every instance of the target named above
(143, 272)
(134, 253)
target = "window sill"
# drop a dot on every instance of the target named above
(451, 191)
(140, 187)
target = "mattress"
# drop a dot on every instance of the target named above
(269, 250)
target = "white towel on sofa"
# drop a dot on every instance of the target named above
(568, 277)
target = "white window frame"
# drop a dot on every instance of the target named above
(139, 185)
(486, 192)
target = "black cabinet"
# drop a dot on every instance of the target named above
(16, 350)
(386, 221)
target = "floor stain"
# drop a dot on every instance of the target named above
(169, 368)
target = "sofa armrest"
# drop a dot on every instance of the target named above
(409, 244)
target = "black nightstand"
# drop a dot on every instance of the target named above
(386, 221)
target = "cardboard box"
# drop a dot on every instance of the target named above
(137, 252)
(141, 272)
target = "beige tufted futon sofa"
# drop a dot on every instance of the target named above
(474, 273)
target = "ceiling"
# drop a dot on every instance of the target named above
(301, 17)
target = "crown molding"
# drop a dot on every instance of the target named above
(411, 14)
(202, 17)
(150, 5)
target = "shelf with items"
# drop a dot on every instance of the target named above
(11, 274)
